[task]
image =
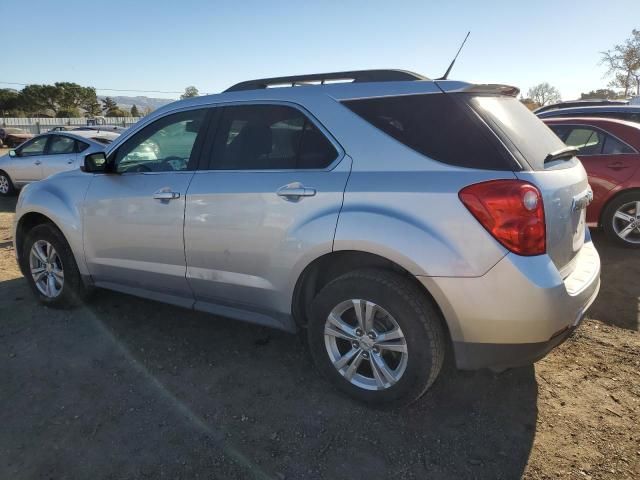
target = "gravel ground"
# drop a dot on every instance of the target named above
(128, 388)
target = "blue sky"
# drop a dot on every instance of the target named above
(158, 45)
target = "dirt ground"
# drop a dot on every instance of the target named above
(128, 388)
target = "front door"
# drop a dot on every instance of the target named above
(268, 204)
(27, 164)
(133, 217)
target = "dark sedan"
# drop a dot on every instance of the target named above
(12, 137)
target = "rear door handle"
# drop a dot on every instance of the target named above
(69, 162)
(617, 165)
(164, 195)
(295, 192)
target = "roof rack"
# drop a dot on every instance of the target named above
(358, 76)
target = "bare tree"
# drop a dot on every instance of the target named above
(623, 64)
(544, 94)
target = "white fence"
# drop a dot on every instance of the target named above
(41, 125)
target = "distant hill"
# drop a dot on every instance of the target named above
(141, 102)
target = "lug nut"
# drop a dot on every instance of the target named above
(355, 344)
(372, 335)
(376, 350)
(359, 332)
(365, 355)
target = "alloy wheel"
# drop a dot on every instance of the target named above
(626, 222)
(46, 269)
(365, 344)
(4, 184)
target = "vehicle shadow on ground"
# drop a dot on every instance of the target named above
(130, 388)
(618, 303)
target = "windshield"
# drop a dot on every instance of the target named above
(516, 125)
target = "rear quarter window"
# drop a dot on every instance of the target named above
(439, 126)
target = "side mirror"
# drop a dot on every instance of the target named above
(13, 153)
(95, 163)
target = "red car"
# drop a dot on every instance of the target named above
(608, 149)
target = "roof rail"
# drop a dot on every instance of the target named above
(358, 76)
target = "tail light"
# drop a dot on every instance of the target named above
(511, 211)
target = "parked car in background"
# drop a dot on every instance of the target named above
(47, 154)
(391, 216)
(580, 103)
(608, 149)
(630, 113)
(12, 137)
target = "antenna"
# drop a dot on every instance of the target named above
(446, 74)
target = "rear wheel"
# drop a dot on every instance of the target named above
(51, 268)
(6, 185)
(376, 336)
(621, 220)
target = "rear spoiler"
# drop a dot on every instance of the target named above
(484, 88)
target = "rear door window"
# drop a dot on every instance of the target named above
(613, 146)
(269, 137)
(60, 144)
(438, 126)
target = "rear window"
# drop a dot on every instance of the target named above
(438, 126)
(528, 138)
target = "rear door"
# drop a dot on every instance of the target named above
(134, 217)
(266, 203)
(61, 155)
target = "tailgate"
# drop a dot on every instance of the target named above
(560, 176)
(566, 194)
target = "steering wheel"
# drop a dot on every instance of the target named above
(140, 168)
(173, 158)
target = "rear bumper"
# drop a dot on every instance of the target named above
(518, 311)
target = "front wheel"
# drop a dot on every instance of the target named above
(621, 220)
(50, 267)
(376, 336)
(6, 185)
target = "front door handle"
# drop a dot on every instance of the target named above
(294, 192)
(37, 162)
(164, 195)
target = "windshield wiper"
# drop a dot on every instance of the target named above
(566, 153)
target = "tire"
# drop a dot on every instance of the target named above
(71, 290)
(6, 185)
(627, 204)
(399, 302)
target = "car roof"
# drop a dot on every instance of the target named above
(592, 109)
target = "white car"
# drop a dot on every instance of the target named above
(47, 154)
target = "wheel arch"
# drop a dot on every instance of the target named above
(613, 198)
(331, 265)
(24, 225)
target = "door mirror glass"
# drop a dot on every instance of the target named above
(95, 163)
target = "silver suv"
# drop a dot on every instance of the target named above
(392, 216)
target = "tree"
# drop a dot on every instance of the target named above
(134, 111)
(189, 92)
(58, 99)
(623, 64)
(9, 102)
(600, 94)
(92, 108)
(544, 94)
(109, 107)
